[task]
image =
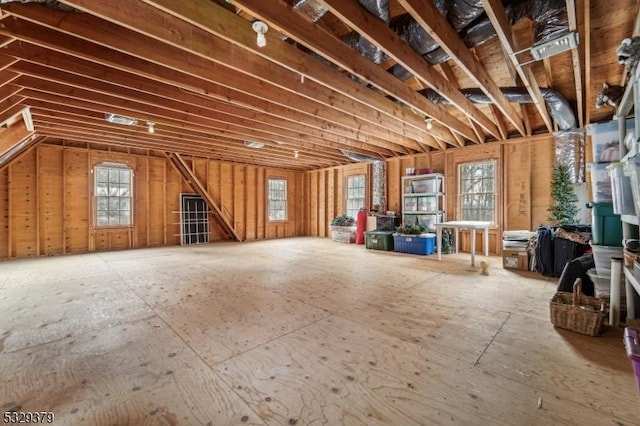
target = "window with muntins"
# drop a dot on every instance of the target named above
(277, 199)
(477, 191)
(113, 189)
(355, 195)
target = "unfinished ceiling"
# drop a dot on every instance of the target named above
(375, 78)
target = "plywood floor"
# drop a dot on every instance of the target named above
(298, 331)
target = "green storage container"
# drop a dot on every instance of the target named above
(606, 227)
(379, 240)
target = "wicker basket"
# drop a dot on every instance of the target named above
(630, 257)
(577, 312)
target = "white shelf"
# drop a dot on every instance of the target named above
(428, 187)
(632, 219)
(633, 277)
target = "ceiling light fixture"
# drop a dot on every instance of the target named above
(120, 119)
(296, 154)
(260, 28)
(151, 126)
(553, 47)
(253, 144)
(429, 122)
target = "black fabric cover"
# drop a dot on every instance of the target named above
(564, 251)
(577, 268)
(545, 250)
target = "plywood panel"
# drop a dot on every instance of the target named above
(250, 201)
(542, 164)
(173, 190)
(239, 189)
(518, 186)
(4, 213)
(50, 193)
(24, 236)
(51, 201)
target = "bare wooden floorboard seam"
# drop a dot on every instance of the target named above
(54, 341)
(493, 337)
(267, 342)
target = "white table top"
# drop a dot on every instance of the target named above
(464, 224)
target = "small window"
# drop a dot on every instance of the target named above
(355, 195)
(113, 195)
(477, 192)
(277, 199)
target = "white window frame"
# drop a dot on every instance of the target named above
(473, 191)
(112, 195)
(355, 195)
(277, 204)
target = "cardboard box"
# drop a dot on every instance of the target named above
(515, 259)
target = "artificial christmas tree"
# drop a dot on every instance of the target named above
(564, 210)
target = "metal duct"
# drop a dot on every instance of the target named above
(358, 157)
(559, 108)
(312, 9)
(549, 18)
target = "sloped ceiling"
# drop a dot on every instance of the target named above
(194, 70)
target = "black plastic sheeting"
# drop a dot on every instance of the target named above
(559, 108)
(49, 3)
(468, 18)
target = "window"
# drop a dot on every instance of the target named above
(355, 195)
(277, 199)
(113, 194)
(477, 190)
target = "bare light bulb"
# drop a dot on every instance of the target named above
(296, 154)
(260, 28)
(429, 123)
(151, 127)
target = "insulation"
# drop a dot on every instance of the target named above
(570, 150)
(378, 8)
(559, 108)
(312, 9)
(358, 157)
(379, 193)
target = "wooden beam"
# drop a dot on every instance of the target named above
(209, 17)
(181, 68)
(575, 57)
(237, 50)
(496, 13)
(216, 211)
(430, 18)
(587, 61)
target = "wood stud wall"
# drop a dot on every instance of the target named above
(524, 192)
(46, 202)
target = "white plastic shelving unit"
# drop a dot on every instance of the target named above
(423, 200)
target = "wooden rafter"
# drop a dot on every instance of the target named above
(428, 16)
(237, 51)
(315, 38)
(575, 56)
(496, 13)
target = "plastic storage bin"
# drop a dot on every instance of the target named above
(632, 345)
(602, 257)
(600, 183)
(621, 191)
(414, 244)
(379, 240)
(427, 185)
(606, 226)
(605, 140)
(631, 169)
